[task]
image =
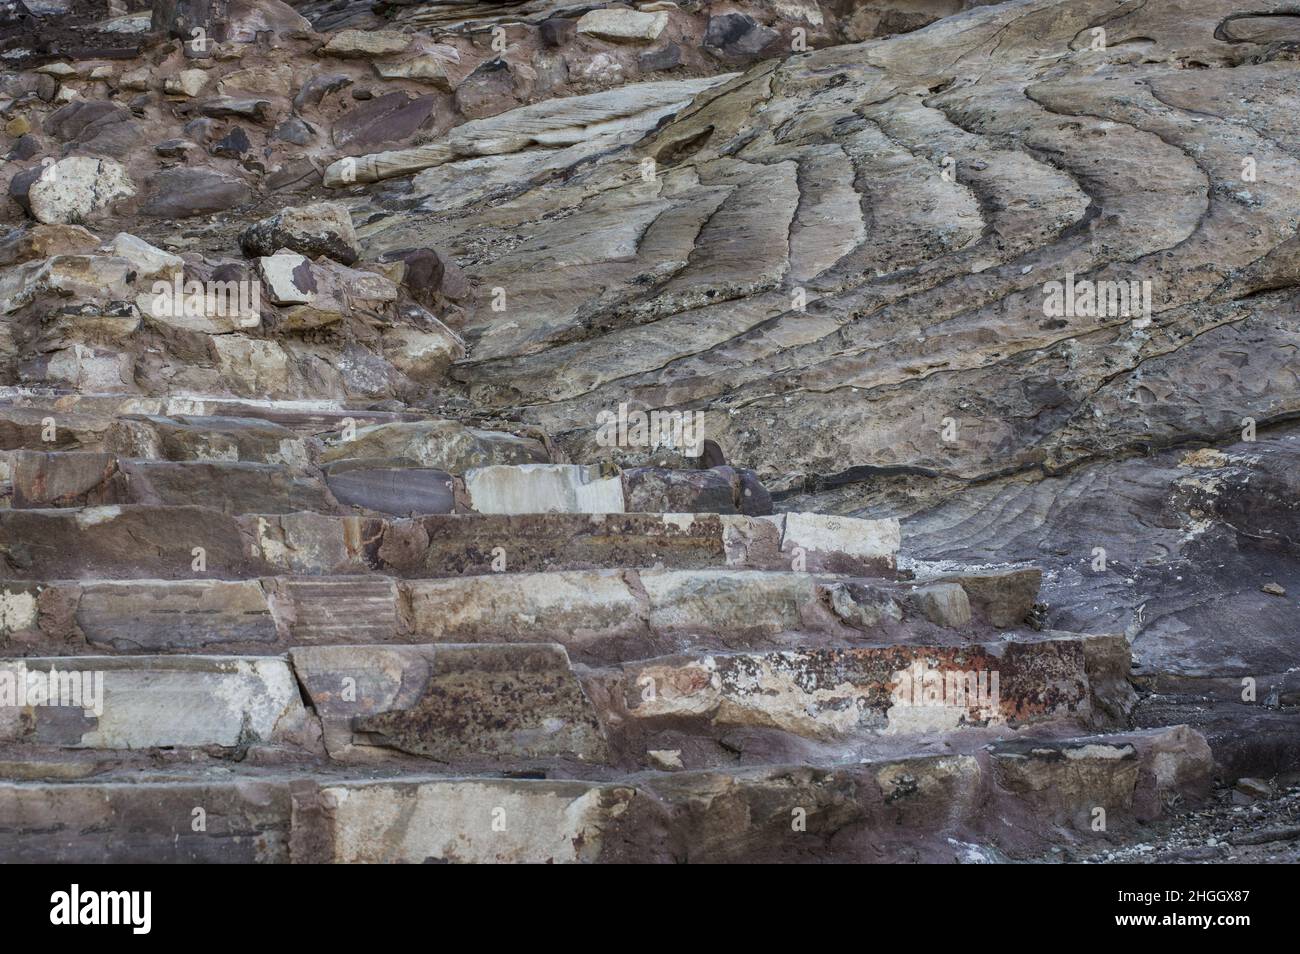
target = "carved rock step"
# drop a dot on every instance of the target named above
(307, 416)
(1012, 798)
(395, 486)
(294, 436)
(498, 705)
(151, 702)
(140, 541)
(600, 616)
(840, 693)
(494, 704)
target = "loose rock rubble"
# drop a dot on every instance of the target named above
(787, 430)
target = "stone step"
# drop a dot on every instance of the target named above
(305, 416)
(151, 702)
(490, 705)
(173, 543)
(242, 434)
(841, 693)
(79, 479)
(600, 616)
(1011, 799)
(497, 704)
(284, 480)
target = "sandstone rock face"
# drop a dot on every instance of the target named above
(746, 432)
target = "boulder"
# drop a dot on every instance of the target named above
(43, 241)
(487, 91)
(78, 188)
(557, 31)
(188, 83)
(666, 57)
(367, 44)
(622, 24)
(323, 228)
(251, 108)
(738, 36)
(95, 126)
(180, 193)
(428, 68)
(149, 262)
(391, 118)
(233, 21)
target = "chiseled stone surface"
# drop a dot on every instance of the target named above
(337, 609)
(401, 491)
(730, 600)
(161, 615)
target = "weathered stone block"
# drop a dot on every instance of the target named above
(139, 702)
(574, 608)
(444, 445)
(145, 822)
(337, 609)
(449, 702)
(160, 615)
(661, 490)
(402, 491)
(468, 821)
(1002, 598)
(944, 604)
(543, 488)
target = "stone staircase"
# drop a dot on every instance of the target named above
(329, 563)
(299, 631)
